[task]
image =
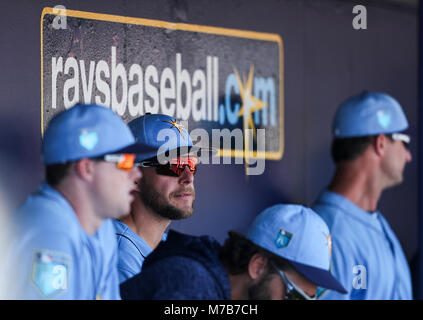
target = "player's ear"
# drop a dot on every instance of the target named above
(379, 144)
(257, 266)
(84, 169)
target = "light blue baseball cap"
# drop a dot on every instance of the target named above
(163, 133)
(297, 234)
(369, 114)
(88, 131)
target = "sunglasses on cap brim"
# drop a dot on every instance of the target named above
(173, 168)
(124, 161)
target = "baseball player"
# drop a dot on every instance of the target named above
(370, 150)
(285, 254)
(164, 192)
(65, 246)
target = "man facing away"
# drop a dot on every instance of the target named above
(163, 193)
(65, 246)
(370, 151)
(284, 254)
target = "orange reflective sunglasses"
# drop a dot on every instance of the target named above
(174, 168)
(124, 161)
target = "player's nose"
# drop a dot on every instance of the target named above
(186, 177)
(135, 174)
(408, 156)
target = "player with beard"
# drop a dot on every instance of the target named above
(165, 192)
(285, 254)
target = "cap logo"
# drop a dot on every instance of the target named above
(283, 238)
(177, 125)
(383, 118)
(88, 139)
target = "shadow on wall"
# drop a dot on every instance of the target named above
(21, 167)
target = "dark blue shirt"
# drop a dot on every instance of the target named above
(184, 267)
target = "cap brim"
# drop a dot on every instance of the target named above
(321, 277)
(137, 148)
(192, 151)
(202, 151)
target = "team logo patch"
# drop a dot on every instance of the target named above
(177, 125)
(88, 139)
(283, 238)
(50, 272)
(383, 118)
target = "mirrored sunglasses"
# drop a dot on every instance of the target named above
(174, 168)
(124, 161)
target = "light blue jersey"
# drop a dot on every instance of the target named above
(367, 257)
(132, 251)
(55, 258)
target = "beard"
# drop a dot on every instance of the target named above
(260, 291)
(161, 206)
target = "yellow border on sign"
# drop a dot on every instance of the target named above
(186, 27)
